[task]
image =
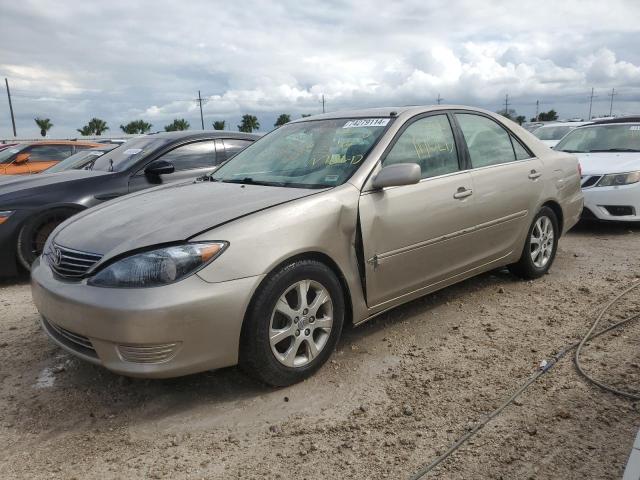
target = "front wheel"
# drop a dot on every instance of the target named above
(35, 231)
(293, 324)
(540, 246)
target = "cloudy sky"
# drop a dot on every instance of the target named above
(123, 60)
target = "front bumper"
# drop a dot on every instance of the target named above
(179, 329)
(620, 203)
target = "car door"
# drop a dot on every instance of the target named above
(507, 183)
(414, 236)
(190, 161)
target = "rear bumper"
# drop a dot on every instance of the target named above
(621, 204)
(160, 332)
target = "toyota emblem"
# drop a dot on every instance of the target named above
(57, 256)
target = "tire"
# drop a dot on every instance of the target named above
(527, 267)
(291, 357)
(35, 232)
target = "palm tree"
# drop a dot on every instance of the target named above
(178, 124)
(282, 119)
(98, 126)
(85, 131)
(248, 124)
(44, 124)
(219, 125)
(136, 126)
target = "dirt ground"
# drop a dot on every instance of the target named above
(398, 391)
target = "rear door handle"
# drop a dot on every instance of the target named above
(533, 175)
(462, 193)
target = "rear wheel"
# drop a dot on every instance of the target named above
(293, 325)
(35, 231)
(540, 247)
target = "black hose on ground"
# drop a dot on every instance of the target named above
(545, 367)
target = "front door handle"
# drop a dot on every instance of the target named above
(533, 175)
(462, 193)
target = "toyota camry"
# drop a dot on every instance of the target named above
(327, 220)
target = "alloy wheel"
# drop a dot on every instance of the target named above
(542, 242)
(301, 323)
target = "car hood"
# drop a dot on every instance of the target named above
(608, 162)
(20, 183)
(167, 214)
(550, 143)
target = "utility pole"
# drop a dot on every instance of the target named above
(537, 109)
(199, 102)
(439, 99)
(323, 111)
(506, 104)
(612, 94)
(13, 120)
(590, 103)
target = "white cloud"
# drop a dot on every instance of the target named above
(125, 61)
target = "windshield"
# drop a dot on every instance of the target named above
(6, 155)
(127, 154)
(76, 161)
(602, 138)
(552, 133)
(312, 154)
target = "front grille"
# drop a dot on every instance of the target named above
(148, 353)
(590, 180)
(74, 341)
(70, 263)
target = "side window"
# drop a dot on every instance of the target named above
(192, 155)
(49, 153)
(488, 142)
(521, 153)
(428, 142)
(233, 146)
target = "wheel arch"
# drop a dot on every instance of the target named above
(309, 255)
(557, 209)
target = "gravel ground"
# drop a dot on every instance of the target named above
(398, 391)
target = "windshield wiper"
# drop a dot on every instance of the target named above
(616, 150)
(573, 151)
(251, 181)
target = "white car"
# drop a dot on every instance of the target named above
(552, 133)
(609, 154)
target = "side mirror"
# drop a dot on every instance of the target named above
(22, 158)
(159, 167)
(397, 174)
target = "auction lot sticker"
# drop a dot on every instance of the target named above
(367, 122)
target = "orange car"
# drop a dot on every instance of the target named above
(35, 157)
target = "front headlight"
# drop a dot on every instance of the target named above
(616, 179)
(158, 267)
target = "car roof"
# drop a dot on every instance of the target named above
(628, 119)
(63, 142)
(194, 134)
(565, 124)
(408, 110)
(104, 147)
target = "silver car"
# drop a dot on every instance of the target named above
(329, 219)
